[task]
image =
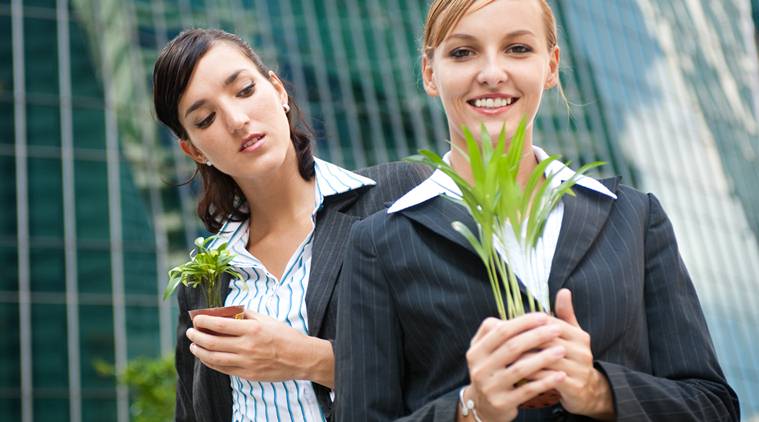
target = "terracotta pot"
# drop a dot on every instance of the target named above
(236, 312)
(547, 399)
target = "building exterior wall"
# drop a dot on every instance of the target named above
(667, 93)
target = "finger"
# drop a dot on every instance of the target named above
(210, 341)
(487, 325)
(226, 326)
(251, 314)
(576, 350)
(500, 331)
(541, 374)
(564, 309)
(531, 389)
(523, 368)
(214, 358)
(506, 379)
(521, 346)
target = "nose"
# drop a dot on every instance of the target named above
(493, 71)
(235, 117)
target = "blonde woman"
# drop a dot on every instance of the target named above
(416, 335)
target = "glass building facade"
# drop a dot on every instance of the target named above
(667, 93)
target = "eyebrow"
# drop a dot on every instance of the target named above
(468, 37)
(197, 104)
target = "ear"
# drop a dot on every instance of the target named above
(279, 86)
(428, 76)
(552, 79)
(191, 151)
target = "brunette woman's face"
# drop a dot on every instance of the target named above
(492, 67)
(234, 115)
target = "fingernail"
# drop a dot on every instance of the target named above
(558, 351)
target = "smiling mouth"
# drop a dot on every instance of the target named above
(252, 141)
(492, 103)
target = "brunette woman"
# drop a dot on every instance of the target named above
(286, 216)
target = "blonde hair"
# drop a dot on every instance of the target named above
(443, 15)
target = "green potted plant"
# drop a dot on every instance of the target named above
(204, 270)
(499, 204)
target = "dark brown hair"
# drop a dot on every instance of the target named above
(221, 198)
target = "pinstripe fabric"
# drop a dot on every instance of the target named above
(204, 394)
(407, 313)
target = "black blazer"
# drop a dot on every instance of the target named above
(204, 394)
(413, 294)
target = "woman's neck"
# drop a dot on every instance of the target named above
(280, 199)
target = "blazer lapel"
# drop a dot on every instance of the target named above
(437, 214)
(584, 216)
(330, 239)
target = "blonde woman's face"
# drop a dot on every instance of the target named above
(492, 67)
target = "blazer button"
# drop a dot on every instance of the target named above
(559, 414)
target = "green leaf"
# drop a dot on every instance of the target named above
(498, 202)
(464, 230)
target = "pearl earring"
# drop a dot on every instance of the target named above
(208, 163)
(286, 107)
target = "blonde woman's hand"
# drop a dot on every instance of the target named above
(506, 353)
(584, 391)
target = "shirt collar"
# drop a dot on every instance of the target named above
(331, 180)
(440, 184)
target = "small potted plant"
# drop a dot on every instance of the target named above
(204, 270)
(499, 204)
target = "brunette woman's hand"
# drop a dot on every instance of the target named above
(261, 348)
(585, 390)
(502, 354)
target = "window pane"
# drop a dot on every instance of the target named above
(45, 198)
(50, 360)
(9, 265)
(94, 271)
(9, 347)
(91, 181)
(7, 193)
(43, 125)
(48, 269)
(142, 326)
(41, 60)
(140, 272)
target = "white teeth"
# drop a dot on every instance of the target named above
(492, 102)
(251, 142)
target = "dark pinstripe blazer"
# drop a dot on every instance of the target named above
(204, 394)
(413, 294)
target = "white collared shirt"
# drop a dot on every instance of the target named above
(282, 299)
(533, 275)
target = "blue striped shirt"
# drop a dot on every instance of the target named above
(284, 300)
